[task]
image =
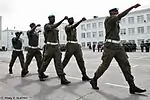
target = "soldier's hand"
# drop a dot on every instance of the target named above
(66, 17)
(38, 25)
(21, 32)
(83, 19)
(137, 5)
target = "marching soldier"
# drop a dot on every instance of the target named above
(73, 48)
(33, 49)
(17, 51)
(52, 49)
(113, 49)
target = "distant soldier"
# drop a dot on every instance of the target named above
(98, 47)
(113, 49)
(17, 51)
(142, 46)
(33, 49)
(147, 46)
(52, 50)
(73, 48)
(93, 47)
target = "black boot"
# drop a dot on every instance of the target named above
(42, 77)
(134, 89)
(85, 78)
(10, 71)
(93, 82)
(64, 81)
(24, 73)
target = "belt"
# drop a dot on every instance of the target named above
(33, 47)
(112, 41)
(17, 49)
(72, 41)
(52, 43)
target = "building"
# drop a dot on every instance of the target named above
(135, 27)
(0, 31)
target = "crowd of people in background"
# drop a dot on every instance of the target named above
(128, 46)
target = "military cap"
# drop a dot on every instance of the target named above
(50, 16)
(113, 9)
(32, 24)
(70, 18)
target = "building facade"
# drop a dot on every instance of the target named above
(135, 27)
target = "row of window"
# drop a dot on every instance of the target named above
(140, 19)
(92, 26)
(132, 30)
(131, 20)
(92, 34)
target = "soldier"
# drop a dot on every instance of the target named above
(147, 46)
(94, 45)
(112, 48)
(73, 48)
(52, 50)
(142, 46)
(17, 51)
(33, 49)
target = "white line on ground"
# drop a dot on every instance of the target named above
(116, 85)
(135, 65)
(74, 78)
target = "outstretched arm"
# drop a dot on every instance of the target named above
(76, 24)
(57, 24)
(124, 13)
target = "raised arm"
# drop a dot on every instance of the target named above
(76, 24)
(124, 13)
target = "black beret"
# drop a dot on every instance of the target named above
(114, 9)
(50, 16)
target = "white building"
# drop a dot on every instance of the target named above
(0, 31)
(7, 36)
(135, 27)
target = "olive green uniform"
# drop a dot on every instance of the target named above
(17, 52)
(73, 48)
(114, 50)
(33, 50)
(52, 50)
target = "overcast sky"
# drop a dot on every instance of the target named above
(20, 13)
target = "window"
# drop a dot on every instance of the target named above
(88, 26)
(100, 33)
(83, 44)
(123, 31)
(140, 29)
(148, 17)
(88, 34)
(131, 30)
(82, 27)
(94, 25)
(94, 34)
(148, 29)
(140, 19)
(100, 24)
(82, 35)
(63, 37)
(123, 21)
(131, 20)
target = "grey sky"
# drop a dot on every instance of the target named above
(19, 13)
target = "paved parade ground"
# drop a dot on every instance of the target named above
(112, 85)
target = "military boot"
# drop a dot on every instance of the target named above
(24, 73)
(64, 81)
(42, 77)
(93, 83)
(10, 71)
(85, 77)
(134, 89)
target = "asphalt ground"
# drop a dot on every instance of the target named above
(112, 85)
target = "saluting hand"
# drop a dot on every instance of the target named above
(83, 19)
(137, 5)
